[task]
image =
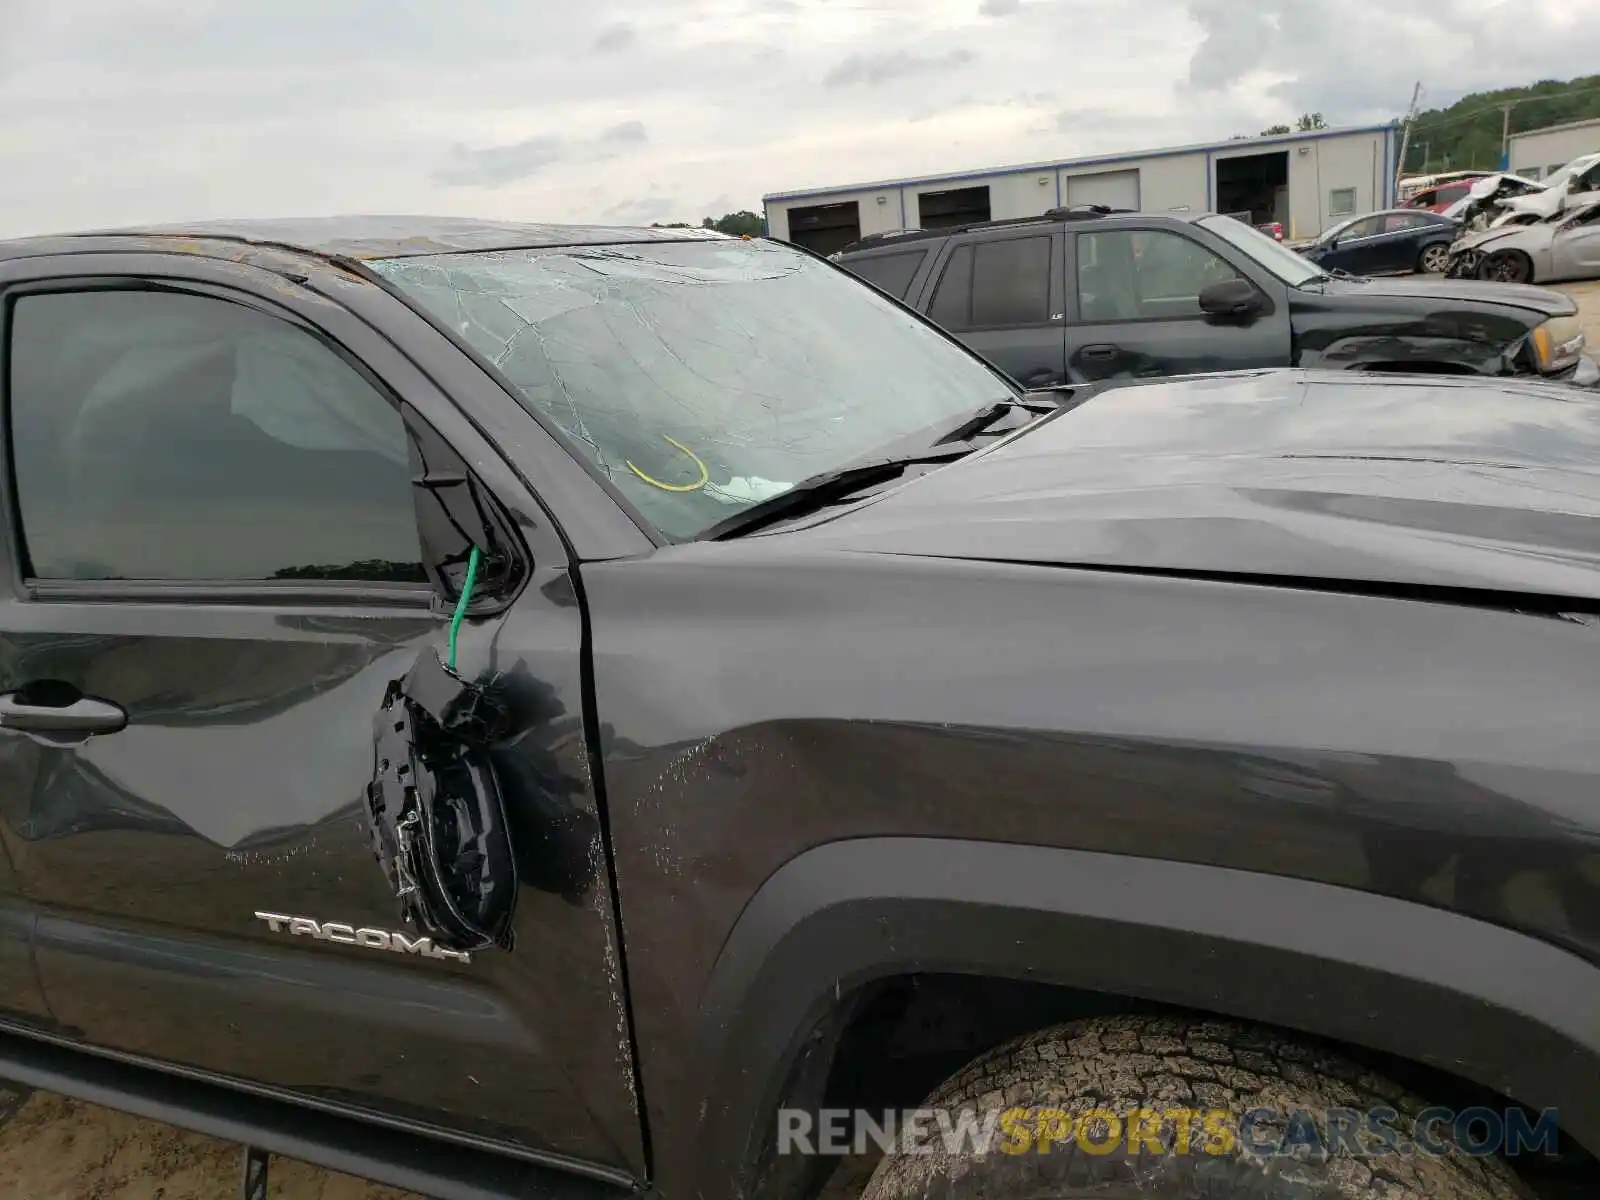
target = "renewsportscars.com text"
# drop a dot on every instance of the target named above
(1263, 1132)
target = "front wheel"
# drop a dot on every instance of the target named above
(1160, 1108)
(1507, 266)
(1434, 259)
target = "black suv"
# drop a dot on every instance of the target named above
(1093, 293)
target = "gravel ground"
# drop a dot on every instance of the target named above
(1587, 295)
(56, 1149)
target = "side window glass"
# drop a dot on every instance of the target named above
(952, 300)
(1143, 275)
(172, 436)
(892, 273)
(1360, 229)
(1011, 282)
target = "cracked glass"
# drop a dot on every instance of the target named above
(701, 377)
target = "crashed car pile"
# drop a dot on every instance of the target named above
(1516, 230)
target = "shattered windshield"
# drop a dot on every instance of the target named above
(701, 377)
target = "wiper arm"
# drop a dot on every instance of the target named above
(987, 416)
(820, 490)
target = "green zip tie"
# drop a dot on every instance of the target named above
(461, 605)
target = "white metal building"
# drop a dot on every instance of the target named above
(1307, 181)
(1540, 151)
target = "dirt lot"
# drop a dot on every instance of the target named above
(1588, 296)
(55, 1149)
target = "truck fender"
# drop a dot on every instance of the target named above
(1497, 1007)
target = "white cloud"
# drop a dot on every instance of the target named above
(123, 111)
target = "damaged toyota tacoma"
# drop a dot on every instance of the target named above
(571, 712)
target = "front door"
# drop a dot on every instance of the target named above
(1138, 310)
(1359, 249)
(1000, 293)
(1575, 249)
(216, 572)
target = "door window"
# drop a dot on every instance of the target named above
(162, 435)
(1011, 282)
(892, 273)
(1400, 222)
(1361, 229)
(952, 301)
(1138, 275)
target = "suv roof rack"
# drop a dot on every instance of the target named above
(1083, 212)
(1076, 212)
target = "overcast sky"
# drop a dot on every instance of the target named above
(123, 111)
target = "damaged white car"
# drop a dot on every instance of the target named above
(1560, 248)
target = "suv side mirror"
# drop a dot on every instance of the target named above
(1230, 298)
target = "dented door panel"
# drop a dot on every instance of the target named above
(205, 882)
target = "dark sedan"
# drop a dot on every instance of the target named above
(1397, 241)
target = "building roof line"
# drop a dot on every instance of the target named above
(1065, 163)
(1557, 128)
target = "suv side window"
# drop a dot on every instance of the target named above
(1011, 282)
(167, 435)
(1143, 275)
(952, 299)
(892, 273)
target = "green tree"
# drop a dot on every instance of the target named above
(741, 223)
(1466, 134)
(1309, 122)
(1275, 130)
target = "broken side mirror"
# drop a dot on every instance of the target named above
(436, 812)
(456, 514)
(434, 805)
(1234, 298)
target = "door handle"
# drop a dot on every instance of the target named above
(1098, 353)
(48, 707)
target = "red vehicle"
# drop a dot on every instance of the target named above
(1445, 192)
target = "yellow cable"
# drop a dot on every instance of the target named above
(705, 475)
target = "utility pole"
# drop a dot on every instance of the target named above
(1505, 137)
(1405, 136)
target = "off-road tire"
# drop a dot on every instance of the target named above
(1160, 1063)
(1434, 259)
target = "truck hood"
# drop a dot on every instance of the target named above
(1301, 475)
(1441, 292)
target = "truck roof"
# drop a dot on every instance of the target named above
(378, 237)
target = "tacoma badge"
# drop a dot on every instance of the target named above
(349, 935)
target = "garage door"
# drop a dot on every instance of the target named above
(824, 228)
(1114, 189)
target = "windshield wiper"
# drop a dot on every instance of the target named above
(821, 490)
(987, 416)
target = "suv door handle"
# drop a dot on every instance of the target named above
(49, 707)
(1101, 353)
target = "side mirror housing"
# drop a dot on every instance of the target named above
(1230, 298)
